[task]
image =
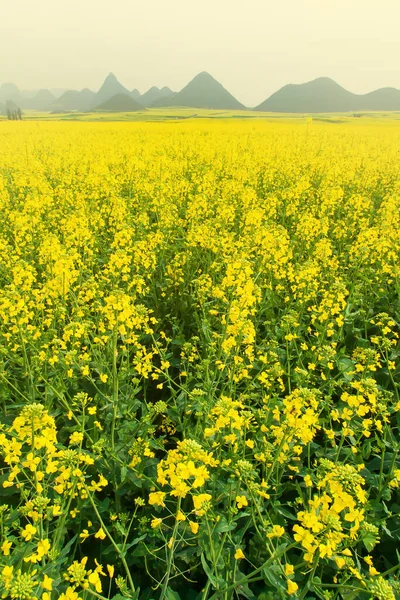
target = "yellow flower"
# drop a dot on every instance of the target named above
(308, 481)
(340, 562)
(7, 573)
(289, 569)
(43, 548)
(75, 438)
(157, 498)
(276, 531)
(47, 583)
(239, 554)
(180, 516)
(28, 532)
(5, 547)
(200, 499)
(84, 534)
(70, 594)
(156, 522)
(292, 587)
(194, 527)
(100, 534)
(241, 501)
(94, 579)
(103, 377)
(110, 569)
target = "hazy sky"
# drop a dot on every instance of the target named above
(253, 47)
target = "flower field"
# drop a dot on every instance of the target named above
(199, 360)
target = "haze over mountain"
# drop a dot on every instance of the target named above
(9, 91)
(325, 95)
(155, 94)
(41, 100)
(383, 99)
(202, 92)
(110, 88)
(120, 103)
(320, 95)
(73, 100)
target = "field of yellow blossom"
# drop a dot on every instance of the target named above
(199, 374)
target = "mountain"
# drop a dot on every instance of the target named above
(154, 94)
(202, 92)
(57, 92)
(325, 95)
(110, 88)
(320, 95)
(382, 99)
(135, 94)
(73, 100)
(9, 91)
(87, 98)
(41, 101)
(120, 103)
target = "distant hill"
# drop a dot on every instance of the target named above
(120, 103)
(317, 96)
(9, 91)
(382, 99)
(57, 92)
(74, 100)
(325, 95)
(111, 87)
(202, 92)
(41, 101)
(154, 94)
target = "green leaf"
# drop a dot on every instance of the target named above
(286, 513)
(208, 571)
(346, 366)
(135, 541)
(171, 594)
(224, 526)
(369, 540)
(273, 579)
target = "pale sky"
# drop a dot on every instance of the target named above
(253, 47)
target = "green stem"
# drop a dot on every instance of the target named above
(108, 534)
(171, 553)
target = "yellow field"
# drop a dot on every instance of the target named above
(199, 373)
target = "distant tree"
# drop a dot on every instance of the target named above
(14, 113)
